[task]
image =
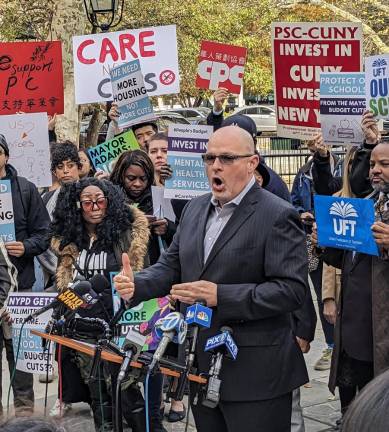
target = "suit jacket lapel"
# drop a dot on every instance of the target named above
(241, 213)
(200, 231)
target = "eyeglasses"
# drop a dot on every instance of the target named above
(88, 205)
(224, 159)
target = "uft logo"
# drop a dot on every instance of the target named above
(342, 224)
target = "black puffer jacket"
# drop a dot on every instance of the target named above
(31, 225)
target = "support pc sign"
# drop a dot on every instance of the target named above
(345, 223)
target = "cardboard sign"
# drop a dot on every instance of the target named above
(28, 143)
(221, 65)
(31, 77)
(377, 85)
(345, 223)
(95, 55)
(31, 356)
(129, 92)
(186, 144)
(301, 51)
(7, 223)
(141, 318)
(104, 155)
(162, 206)
(342, 103)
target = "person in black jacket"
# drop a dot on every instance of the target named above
(327, 184)
(31, 227)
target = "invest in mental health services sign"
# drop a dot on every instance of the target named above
(301, 51)
(186, 144)
(345, 223)
(342, 103)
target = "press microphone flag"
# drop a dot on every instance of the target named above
(199, 314)
(224, 339)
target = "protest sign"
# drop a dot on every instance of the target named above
(31, 77)
(28, 143)
(31, 357)
(141, 318)
(345, 223)
(7, 223)
(186, 144)
(104, 155)
(221, 65)
(301, 51)
(162, 206)
(377, 85)
(129, 93)
(342, 103)
(95, 55)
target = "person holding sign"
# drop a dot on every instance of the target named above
(31, 227)
(361, 339)
(242, 250)
(92, 226)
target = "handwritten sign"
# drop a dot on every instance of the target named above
(31, 77)
(342, 103)
(95, 55)
(28, 143)
(345, 223)
(186, 144)
(105, 154)
(31, 356)
(301, 51)
(221, 65)
(377, 85)
(7, 223)
(129, 92)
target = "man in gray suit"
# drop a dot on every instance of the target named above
(242, 249)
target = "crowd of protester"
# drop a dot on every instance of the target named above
(87, 221)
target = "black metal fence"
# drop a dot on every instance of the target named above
(286, 156)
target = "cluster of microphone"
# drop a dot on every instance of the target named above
(172, 328)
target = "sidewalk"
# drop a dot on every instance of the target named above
(320, 409)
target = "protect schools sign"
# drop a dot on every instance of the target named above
(301, 52)
(95, 55)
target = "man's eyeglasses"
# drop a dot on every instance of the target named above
(224, 159)
(88, 205)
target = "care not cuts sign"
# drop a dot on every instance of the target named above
(95, 55)
(301, 52)
(7, 221)
(345, 223)
(221, 65)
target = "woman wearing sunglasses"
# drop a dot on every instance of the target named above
(92, 227)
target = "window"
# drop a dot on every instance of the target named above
(251, 111)
(266, 111)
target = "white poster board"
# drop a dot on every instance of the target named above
(95, 55)
(28, 141)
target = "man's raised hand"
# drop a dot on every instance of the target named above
(124, 281)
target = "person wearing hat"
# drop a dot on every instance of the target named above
(31, 227)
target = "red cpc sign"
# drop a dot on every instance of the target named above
(31, 78)
(221, 65)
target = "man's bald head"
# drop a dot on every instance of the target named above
(231, 162)
(233, 135)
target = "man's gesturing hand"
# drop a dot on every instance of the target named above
(191, 291)
(124, 281)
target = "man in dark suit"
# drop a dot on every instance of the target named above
(242, 249)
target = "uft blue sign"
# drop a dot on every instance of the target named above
(345, 223)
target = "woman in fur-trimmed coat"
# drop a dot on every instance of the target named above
(92, 227)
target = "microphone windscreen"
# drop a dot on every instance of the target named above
(99, 283)
(82, 288)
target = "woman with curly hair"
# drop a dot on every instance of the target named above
(92, 227)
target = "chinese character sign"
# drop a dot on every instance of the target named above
(31, 77)
(377, 85)
(221, 65)
(301, 52)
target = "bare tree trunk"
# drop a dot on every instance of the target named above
(94, 127)
(69, 20)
